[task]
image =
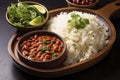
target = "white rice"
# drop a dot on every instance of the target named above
(82, 43)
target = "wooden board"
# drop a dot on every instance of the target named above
(66, 70)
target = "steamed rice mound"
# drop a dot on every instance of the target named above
(81, 43)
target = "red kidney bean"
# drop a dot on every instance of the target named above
(59, 49)
(25, 53)
(61, 45)
(18, 38)
(41, 48)
(32, 50)
(54, 39)
(86, 1)
(32, 54)
(48, 52)
(38, 48)
(39, 54)
(35, 45)
(90, 2)
(40, 42)
(35, 36)
(49, 38)
(55, 47)
(43, 37)
(28, 44)
(47, 58)
(74, 1)
(58, 53)
(25, 47)
(31, 57)
(42, 57)
(49, 45)
(82, 2)
(57, 42)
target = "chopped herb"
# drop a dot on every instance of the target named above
(52, 42)
(79, 25)
(86, 21)
(44, 48)
(54, 54)
(77, 21)
(46, 41)
(75, 16)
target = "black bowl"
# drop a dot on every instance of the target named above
(41, 64)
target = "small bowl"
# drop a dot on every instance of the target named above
(90, 6)
(31, 27)
(54, 62)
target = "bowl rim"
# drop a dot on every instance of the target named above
(84, 6)
(41, 31)
(30, 26)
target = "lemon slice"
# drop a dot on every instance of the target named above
(36, 20)
(40, 8)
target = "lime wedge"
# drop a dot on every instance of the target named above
(36, 20)
(40, 8)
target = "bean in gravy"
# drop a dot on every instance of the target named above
(41, 48)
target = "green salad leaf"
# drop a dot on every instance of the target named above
(22, 13)
(44, 48)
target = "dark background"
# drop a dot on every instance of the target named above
(107, 69)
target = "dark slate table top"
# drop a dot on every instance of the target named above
(107, 69)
